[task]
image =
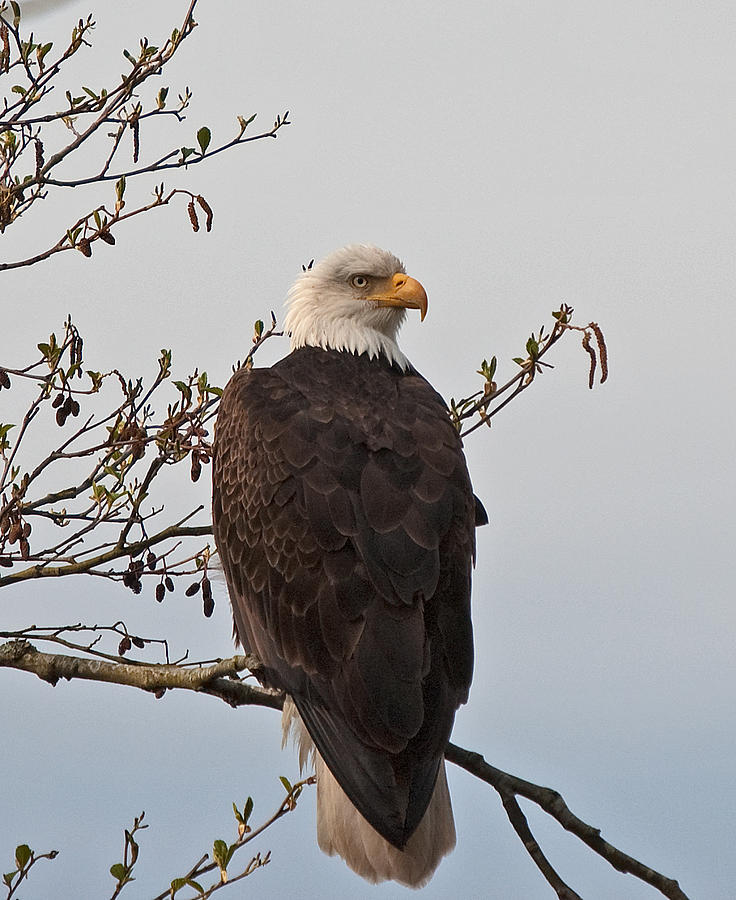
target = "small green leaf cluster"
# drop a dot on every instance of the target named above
(25, 859)
(242, 817)
(122, 872)
(222, 853)
(178, 883)
(23, 856)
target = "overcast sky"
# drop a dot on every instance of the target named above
(515, 155)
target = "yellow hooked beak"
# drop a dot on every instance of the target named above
(403, 291)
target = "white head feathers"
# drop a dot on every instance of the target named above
(328, 305)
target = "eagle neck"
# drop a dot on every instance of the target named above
(346, 337)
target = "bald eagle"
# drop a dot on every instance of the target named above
(344, 517)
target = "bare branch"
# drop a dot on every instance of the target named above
(215, 679)
(552, 803)
(29, 170)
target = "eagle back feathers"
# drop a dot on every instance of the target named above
(344, 518)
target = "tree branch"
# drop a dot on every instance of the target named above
(216, 680)
(553, 804)
(219, 680)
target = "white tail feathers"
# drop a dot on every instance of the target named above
(342, 830)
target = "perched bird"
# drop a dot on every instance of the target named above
(344, 517)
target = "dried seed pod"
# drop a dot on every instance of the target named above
(4, 379)
(136, 587)
(39, 157)
(107, 238)
(136, 140)
(74, 408)
(15, 532)
(208, 211)
(208, 606)
(58, 400)
(26, 529)
(196, 468)
(84, 247)
(192, 589)
(151, 560)
(160, 591)
(61, 417)
(129, 578)
(193, 215)
(25, 548)
(139, 642)
(124, 646)
(169, 584)
(6, 562)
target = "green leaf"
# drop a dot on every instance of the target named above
(177, 884)
(244, 123)
(184, 388)
(129, 839)
(8, 877)
(220, 854)
(23, 854)
(161, 97)
(286, 783)
(119, 871)
(248, 809)
(16, 13)
(203, 138)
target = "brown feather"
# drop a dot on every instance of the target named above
(344, 517)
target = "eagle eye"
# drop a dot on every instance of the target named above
(359, 281)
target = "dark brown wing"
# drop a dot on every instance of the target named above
(344, 518)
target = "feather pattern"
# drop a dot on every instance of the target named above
(344, 518)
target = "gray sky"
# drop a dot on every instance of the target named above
(515, 155)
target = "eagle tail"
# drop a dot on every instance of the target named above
(342, 830)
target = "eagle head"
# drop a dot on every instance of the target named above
(354, 300)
